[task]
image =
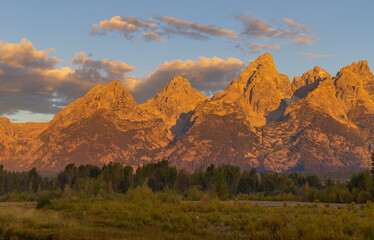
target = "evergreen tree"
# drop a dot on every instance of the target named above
(220, 185)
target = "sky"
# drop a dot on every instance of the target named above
(53, 52)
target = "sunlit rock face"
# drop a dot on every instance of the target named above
(262, 120)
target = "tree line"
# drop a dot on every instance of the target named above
(225, 182)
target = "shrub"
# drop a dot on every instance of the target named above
(43, 202)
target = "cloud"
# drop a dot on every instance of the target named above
(132, 28)
(194, 30)
(125, 25)
(152, 36)
(257, 28)
(308, 40)
(30, 80)
(295, 25)
(207, 75)
(113, 69)
(25, 55)
(311, 55)
(256, 48)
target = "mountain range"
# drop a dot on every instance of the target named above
(261, 120)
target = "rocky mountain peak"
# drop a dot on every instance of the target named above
(263, 64)
(317, 69)
(112, 97)
(178, 83)
(301, 86)
(260, 90)
(265, 87)
(175, 98)
(360, 68)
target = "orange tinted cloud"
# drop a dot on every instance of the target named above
(31, 81)
(194, 30)
(258, 28)
(152, 36)
(112, 68)
(295, 25)
(256, 48)
(23, 54)
(166, 26)
(308, 40)
(125, 25)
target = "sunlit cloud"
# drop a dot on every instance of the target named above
(194, 30)
(311, 55)
(124, 25)
(31, 81)
(153, 36)
(295, 25)
(112, 68)
(257, 28)
(24, 54)
(133, 28)
(207, 75)
(308, 40)
(257, 48)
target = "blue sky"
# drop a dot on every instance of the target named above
(340, 32)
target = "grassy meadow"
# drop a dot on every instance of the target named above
(143, 214)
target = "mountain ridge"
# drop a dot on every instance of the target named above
(262, 120)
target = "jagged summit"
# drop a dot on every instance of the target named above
(265, 87)
(259, 90)
(177, 85)
(301, 86)
(175, 98)
(264, 63)
(361, 67)
(178, 82)
(111, 97)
